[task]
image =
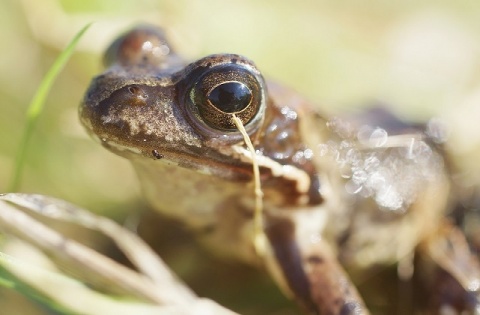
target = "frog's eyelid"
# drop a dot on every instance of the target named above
(218, 60)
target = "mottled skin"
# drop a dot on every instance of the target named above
(330, 192)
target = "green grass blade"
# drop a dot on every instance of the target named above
(37, 104)
(9, 281)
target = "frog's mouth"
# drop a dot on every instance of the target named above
(206, 161)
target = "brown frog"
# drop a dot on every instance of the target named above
(362, 192)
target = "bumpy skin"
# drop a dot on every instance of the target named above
(361, 192)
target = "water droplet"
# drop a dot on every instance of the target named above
(389, 198)
(283, 135)
(437, 130)
(353, 157)
(323, 149)
(359, 176)
(473, 285)
(289, 113)
(346, 171)
(315, 238)
(272, 128)
(147, 45)
(376, 180)
(379, 137)
(353, 188)
(364, 133)
(371, 162)
(308, 153)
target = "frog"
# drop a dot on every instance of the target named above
(339, 194)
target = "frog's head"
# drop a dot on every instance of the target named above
(148, 103)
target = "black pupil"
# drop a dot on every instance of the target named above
(230, 97)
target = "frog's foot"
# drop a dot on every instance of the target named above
(456, 281)
(310, 272)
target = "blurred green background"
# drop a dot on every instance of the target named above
(422, 58)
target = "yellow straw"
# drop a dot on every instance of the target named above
(259, 237)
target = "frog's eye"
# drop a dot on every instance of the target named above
(226, 89)
(143, 45)
(230, 97)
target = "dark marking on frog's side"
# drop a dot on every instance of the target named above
(157, 155)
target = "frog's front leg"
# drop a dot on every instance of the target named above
(305, 266)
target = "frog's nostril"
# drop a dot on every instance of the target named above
(137, 96)
(133, 90)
